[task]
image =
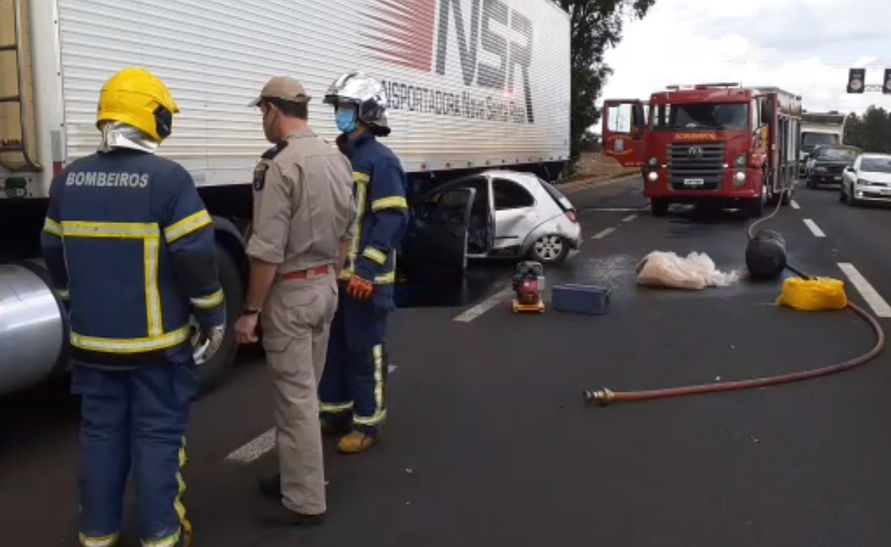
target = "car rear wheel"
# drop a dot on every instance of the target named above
(549, 249)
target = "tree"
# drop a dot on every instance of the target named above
(595, 26)
(870, 132)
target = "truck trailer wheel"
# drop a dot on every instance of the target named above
(214, 371)
(659, 206)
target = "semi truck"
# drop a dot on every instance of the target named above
(820, 129)
(719, 144)
(473, 86)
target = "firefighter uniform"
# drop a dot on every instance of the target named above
(129, 244)
(354, 383)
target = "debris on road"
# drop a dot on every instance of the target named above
(694, 272)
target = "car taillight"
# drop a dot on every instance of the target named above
(571, 216)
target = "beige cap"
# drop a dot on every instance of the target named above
(285, 88)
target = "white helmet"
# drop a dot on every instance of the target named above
(367, 94)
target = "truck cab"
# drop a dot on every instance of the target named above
(717, 143)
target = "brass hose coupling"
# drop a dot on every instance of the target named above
(602, 396)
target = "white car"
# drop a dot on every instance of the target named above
(867, 179)
(509, 214)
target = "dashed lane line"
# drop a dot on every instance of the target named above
(253, 450)
(603, 233)
(878, 304)
(795, 204)
(472, 313)
(629, 218)
(814, 228)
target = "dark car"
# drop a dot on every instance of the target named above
(827, 163)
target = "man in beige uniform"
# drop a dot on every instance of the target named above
(303, 224)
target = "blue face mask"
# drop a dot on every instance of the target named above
(346, 120)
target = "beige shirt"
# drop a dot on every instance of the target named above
(303, 204)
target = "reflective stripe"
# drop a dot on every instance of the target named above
(50, 226)
(336, 408)
(130, 345)
(169, 541)
(374, 255)
(152, 294)
(208, 302)
(361, 180)
(63, 294)
(393, 202)
(104, 541)
(188, 225)
(384, 279)
(380, 412)
(119, 230)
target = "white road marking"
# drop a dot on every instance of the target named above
(254, 449)
(878, 304)
(472, 313)
(613, 209)
(603, 234)
(794, 204)
(392, 368)
(814, 228)
(629, 218)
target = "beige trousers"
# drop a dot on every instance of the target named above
(296, 320)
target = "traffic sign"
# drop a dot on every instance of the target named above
(856, 80)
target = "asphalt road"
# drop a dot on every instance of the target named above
(490, 441)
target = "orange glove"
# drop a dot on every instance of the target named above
(360, 289)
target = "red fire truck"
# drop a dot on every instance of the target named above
(717, 144)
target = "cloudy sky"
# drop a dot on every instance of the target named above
(803, 46)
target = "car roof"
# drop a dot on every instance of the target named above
(875, 156)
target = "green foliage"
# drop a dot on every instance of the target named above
(596, 26)
(870, 132)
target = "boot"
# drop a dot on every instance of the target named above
(356, 442)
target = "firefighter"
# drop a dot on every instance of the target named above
(130, 246)
(353, 388)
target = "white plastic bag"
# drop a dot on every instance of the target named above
(695, 272)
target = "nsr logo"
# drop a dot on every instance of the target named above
(479, 32)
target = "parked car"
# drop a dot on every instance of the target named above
(511, 214)
(867, 179)
(826, 164)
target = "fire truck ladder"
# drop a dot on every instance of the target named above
(16, 118)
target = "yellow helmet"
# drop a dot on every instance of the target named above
(136, 97)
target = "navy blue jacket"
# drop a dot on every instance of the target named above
(379, 189)
(129, 244)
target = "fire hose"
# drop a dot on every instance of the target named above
(766, 259)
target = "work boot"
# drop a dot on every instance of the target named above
(271, 486)
(281, 515)
(356, 441)
(331, 428)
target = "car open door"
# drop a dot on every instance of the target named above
(435, 247)
(624, 126)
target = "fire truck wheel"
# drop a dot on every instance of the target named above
(755, 207)
(659, 206)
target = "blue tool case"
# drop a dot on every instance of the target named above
(576, 298)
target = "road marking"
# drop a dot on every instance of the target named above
(603, 234)
(878, 304)
(392, 368)
(814, 228)
(614, 209)
(629, 218)
(254, 449)
(472, 313)
(795, 204)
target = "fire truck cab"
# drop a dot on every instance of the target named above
(717, 144)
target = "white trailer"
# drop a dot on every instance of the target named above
(819, 129)
(473, 84)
